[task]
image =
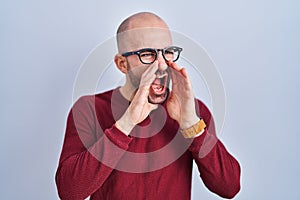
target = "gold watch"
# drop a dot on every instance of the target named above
(193, 130)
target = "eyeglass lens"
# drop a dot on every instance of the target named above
(148, 56)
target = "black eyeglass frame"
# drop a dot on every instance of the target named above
(138, 52)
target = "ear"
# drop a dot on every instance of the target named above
(121, 63)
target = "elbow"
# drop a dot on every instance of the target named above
(64, 192)
(226, 188)
(63, 188)
(233, 183)
(232, 192)
(231, 188)
(227, 191)
(62, 195)
(69, 188)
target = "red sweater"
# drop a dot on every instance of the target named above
(98, 160)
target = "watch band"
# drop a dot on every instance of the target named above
(193, 130)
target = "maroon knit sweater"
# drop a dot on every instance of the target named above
(154, 162)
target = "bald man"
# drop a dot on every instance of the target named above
(138, 141)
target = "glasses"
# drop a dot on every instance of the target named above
(149, 55)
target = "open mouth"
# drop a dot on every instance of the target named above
(159, 84)
(159, 89)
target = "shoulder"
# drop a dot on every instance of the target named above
(201, 105)
(92, 100)
(202, 109)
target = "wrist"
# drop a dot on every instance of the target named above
(184, 124)
(195, 130)
(124, 124)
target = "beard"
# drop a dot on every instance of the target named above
(159, 89)
(134, 80)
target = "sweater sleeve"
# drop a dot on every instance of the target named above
(219, 170)
(80, 171)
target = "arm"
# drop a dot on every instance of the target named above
(219, 170)
(80, 172)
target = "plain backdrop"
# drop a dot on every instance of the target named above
(255, 45)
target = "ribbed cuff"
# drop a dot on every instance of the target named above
(118, 137)
(203, 144)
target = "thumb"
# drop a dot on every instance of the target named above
(153, 106)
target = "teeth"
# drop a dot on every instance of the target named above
(160, 75)
(161, 95)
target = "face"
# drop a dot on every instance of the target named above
(149, 38)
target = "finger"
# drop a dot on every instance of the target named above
(147, 79)
(152, 68)
(174, 66)
(173, 76)
(153, 106)
(144, 90)
(184, 72)
(177, 76)
(149, 75)
(178, 70)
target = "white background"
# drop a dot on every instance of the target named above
(255, 45)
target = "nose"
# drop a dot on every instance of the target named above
(162, 65)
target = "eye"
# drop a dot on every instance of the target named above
(169, 52)
(147, 54)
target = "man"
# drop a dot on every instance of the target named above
(111, 137)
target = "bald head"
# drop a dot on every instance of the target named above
(140, 20)
(140, 26)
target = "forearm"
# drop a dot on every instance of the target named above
(125, 124)
(81, 174)
(219, 170)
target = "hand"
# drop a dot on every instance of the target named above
(139, 108)
(181, 103)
